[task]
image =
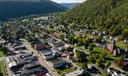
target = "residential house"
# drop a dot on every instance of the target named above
(126, 61)
(40, 47)
(48, 54)
(59, 63)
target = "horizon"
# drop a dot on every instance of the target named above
(69, 1)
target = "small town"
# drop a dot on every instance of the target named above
(63, 38)
(54, 53)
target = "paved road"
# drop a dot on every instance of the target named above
(41, 60)
(9, 72)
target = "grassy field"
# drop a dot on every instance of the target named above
(2, 68)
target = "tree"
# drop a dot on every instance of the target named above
(98, 39)
(108, 16)
(91, 59)
(85, 65)
(81, 56)
(91, 47)
(98, 62)
(86, 74)
(125, 33)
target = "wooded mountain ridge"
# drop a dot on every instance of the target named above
(18, 8)
(108, 15)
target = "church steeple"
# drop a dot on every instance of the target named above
(114, 44)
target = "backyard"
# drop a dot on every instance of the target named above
(63, 71)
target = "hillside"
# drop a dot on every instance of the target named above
(70, 5)
(108, 15)
(17, 8)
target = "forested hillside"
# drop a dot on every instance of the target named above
(108, 15)
(70, 5)
(18, 8)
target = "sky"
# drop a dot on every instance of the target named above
(68, 1)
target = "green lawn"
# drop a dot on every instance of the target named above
(100, 50)
(64, 71)
(2, 68)
(79, 64)
(97, 49)
(2, 53)
(78, 47)
(121, 44)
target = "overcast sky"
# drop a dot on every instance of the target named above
(68, 1)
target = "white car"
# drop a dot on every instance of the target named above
(48, 74)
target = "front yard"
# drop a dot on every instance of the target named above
(79, 64)
(2, 69)
(3, 52)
